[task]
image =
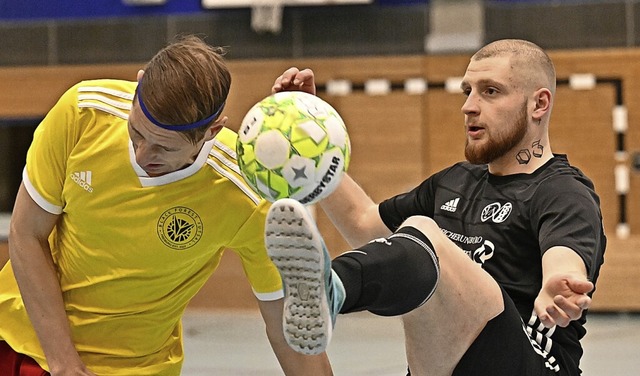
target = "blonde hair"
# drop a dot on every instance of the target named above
(526, 56)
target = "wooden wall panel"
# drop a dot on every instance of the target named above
(613, 63)
(386, 141)
(31, 91)
(399, 139)
(251, 81)
(444, 133)
(618, 289)
(581, 128)
(359, 69)
(439, 68)
(444, 121)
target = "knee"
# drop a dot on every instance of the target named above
(431, 230)
(426, 225)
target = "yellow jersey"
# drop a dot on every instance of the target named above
(131, 250)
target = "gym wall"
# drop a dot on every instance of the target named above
(398, 138)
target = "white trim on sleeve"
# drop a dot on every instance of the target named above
(269, 296)
(35, 195)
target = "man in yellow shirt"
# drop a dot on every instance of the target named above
(130, 194)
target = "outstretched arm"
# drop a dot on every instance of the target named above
(292, 363)
(354, 213)
(563, 297)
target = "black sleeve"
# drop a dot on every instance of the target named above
(569, 215)
(418, 201)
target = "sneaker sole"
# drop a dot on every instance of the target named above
(296, 248)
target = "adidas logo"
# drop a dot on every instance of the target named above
(451, 205)
(83, 179)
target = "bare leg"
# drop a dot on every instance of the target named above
(389, 277)
(439, 332)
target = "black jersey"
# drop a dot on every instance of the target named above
(506, 223)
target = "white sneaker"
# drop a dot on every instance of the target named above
(313, 292)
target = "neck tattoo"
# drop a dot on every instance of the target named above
(524, 155)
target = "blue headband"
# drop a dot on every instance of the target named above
(182, 127)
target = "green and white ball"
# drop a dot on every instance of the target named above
(293, 145)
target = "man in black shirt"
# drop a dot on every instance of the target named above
(490, 262)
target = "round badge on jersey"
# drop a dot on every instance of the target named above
(179, 228)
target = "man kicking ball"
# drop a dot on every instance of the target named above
(500, 285)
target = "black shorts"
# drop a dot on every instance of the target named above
(503, 348)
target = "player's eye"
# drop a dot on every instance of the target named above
(491, 91)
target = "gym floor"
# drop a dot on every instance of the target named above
(234, 344)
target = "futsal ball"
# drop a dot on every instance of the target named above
(293, 145)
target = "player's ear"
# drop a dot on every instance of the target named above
(215, 128)
(542, 99)
(139, 75)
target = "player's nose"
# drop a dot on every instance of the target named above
(470, 106)
(144, 153)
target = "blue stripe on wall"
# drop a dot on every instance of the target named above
(68, 9)
(62, 9)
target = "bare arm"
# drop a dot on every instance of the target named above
(354, 214)
(292, 363)
(563, 296)
(39, 285)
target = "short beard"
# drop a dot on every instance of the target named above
(501, 145)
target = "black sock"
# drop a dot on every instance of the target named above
(389, 277)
